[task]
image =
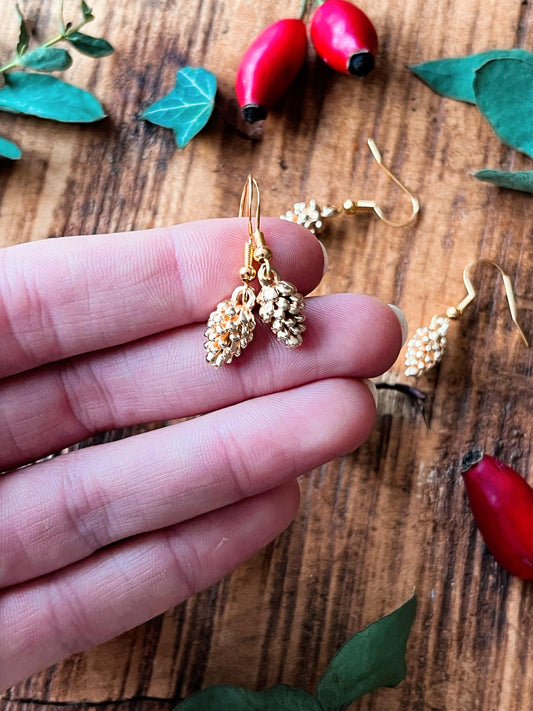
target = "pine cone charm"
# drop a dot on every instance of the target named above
(310, 215)
(426, 347)
(281, 306)
(230, 327)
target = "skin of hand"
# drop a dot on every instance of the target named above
(107, 331)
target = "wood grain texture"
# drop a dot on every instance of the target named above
(392, 516)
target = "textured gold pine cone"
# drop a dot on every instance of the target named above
(230, 329)
(310, 215)
(426, 347)
(281, 306)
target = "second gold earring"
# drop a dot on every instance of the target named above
(427, 346)
(313, 217)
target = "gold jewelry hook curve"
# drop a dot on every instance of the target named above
(508, 286)
(415, 204)
(247, 196)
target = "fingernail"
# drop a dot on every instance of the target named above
(326, 258)
(403, 321)
(370, 385)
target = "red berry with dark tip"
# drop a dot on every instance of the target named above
(344, 37)
(269, 66)
(502, 505)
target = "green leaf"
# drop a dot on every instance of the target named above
(47, 97)
(520, 180)
(372, 658)
(9, 150)
(92, 46)
(47, 59)
(187, 108)
(87, 12)
(504, 95)
(454, 76)
(24, 34)
(277, 698)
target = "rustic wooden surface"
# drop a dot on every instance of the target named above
(393, 516)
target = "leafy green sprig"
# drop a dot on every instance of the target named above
(373, 658)
(33, 92)
(500, 83)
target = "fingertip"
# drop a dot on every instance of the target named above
(289, 493)
(347, 416)
(284, 502)
(298, 254)
(373, 328)
(326, 258)
(402, 320)
(373, 390)
(264, 516)
(364, 411)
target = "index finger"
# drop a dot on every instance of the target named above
(72, 295)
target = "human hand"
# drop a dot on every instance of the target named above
(102, 332)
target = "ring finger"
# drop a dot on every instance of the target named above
(74, 504)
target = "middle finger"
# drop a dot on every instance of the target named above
(165, 377)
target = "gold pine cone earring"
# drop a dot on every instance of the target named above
(314, 217)
(231, 326)
(427, 346)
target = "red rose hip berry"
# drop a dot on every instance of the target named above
(344, 37)
(501, 501)
(269, 66)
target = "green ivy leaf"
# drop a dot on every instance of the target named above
(47, 59)
(24, 34)
(92, 46)
(277, 698)
(187, 108)
(9, 150)
(519, 180)
(47, 97)
(372, 658)
(454, 76)
(504, 94)
(87, 12)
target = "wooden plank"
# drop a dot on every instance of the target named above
(393, 516)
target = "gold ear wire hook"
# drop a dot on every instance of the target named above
(456, 311)
(256, 248)
(350, 206)
(248, 192)
(248, 272)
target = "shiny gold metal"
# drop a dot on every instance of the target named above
(471, 294)
(250, 189)
(231, 325)
(313, 217)
(262, 253)
(281, 306)
(426, 348)
(415, 204)
(247, 272)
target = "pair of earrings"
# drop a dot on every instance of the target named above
(231, 326)
(426, 348)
